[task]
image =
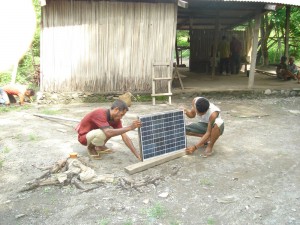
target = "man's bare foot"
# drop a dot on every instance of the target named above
(92, 152)
(208, 152)
(103, 150)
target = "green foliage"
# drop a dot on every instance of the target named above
(183, 41)
(278, 33)
(26, 71)
(183, 38)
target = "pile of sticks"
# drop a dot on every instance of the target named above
(68, 171)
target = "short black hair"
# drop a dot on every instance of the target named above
(283, 58)
(31, 92)
(202, 105)
(119, 104)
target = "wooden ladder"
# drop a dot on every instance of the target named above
(176, 75)
(168, 78)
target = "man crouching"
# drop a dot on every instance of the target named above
(98, 126)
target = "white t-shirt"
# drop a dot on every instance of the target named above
(212, 108)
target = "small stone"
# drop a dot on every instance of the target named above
(164, 195)
(146, 201)
(268, 92)
(19, 216)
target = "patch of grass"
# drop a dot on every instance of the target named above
(210, 221)
(47, 189)
(174, 223)
(156, 212)
(33, 137)
(148, 98)
(51, 111)
(15, 108)
(103, 221)
(96, 98)
(128, 222)
(18, 136)
(6, 149)
(205, 182)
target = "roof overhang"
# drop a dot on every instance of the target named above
(227, 14)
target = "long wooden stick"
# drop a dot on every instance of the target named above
(56, 117)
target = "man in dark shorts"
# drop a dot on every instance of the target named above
(210, 126)
(98, 126)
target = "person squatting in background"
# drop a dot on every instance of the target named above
(8, 92)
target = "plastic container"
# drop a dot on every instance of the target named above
(73, 155)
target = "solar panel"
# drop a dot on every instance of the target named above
(162, 133)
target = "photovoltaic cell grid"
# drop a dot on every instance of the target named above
(162, 133)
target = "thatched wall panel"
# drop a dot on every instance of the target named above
(104, 46)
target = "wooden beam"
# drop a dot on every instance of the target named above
(56, 117)
(287, 31)
(141, 166)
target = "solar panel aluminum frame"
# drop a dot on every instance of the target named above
(162, 133)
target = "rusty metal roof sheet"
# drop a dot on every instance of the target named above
(204, 14)
(282, 2)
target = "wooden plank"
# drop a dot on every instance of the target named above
(266, 73)
(56, 117)
(141, 166)
(162, 78)
(161, 94)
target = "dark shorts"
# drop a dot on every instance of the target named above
(200, 127)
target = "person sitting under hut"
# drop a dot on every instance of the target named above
(293, 68)
(282, 70)
(98, 126)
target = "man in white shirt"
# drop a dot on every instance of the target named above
(209, 128)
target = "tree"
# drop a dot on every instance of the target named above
(273, 34)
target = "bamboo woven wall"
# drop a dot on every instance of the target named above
(104, 47)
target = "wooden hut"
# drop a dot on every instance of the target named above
(110, 46)
(104, 46)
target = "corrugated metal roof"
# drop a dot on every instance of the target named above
(203, 14)
(283, 2)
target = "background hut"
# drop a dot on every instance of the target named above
(104, 46)
(110, 46)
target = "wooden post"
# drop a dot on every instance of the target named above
(287, 31)
(217, 30)
(254, 50)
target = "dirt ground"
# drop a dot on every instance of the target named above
(253, 177)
